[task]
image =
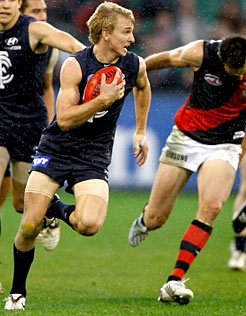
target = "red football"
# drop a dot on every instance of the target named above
(92, 88)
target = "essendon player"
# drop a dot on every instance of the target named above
(207, 136)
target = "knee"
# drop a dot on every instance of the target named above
(212, 208)
(87, 226)
(29, 231)
(18, 205)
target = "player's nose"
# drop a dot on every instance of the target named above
(131, 38)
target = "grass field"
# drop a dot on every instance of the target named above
(103, 275)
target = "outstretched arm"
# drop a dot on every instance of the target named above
(42, 34)
(142, 96)
(190, 55)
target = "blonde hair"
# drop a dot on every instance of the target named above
(105, 16)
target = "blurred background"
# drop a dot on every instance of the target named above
(160, 25)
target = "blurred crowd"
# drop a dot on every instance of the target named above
(160, 25)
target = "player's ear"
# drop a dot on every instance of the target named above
(105, 34)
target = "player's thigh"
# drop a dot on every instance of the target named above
(19, 172)
(168, 183)
(215, 180)
(39, 191)
(243, 167)
(5, 188)
(4, 160)
(91, 201)
(242, 188)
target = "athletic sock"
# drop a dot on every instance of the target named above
(60, 210)
(142, 220)
(240, 243)
(22, 264)
(192, 243)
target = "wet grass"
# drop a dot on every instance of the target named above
(103, 275)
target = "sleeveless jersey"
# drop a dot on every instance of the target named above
(91, 142)
(23, 113)
(215, 111)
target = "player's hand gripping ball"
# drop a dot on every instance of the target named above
(92, 88)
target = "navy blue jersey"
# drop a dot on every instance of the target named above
(91, 142)
(23, 113)
(215, 111)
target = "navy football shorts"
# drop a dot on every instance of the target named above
(67, 169)
(21, 143)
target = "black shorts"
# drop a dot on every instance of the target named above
(21, 143)
(67, 169)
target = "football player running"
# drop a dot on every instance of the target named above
(207, 136)
(24, 55)
(77, 146)
(50, 234)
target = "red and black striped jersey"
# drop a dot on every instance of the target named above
(215, 111)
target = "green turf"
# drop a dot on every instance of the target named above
(103, 275)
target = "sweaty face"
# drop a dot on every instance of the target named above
(37, 9)
(9, 13)
(122, 36)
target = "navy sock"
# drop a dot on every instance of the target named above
(240, 243)
(22, 264)
(60, 210)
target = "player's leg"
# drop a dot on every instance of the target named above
(237, 260)
(19, 179)
(5, 187)
(215, 181)
(40, 190)
(168, 183)
(50, 232)
(4, 190)
(176, 161)
(4, 159)
(90, 209)
(91, 206)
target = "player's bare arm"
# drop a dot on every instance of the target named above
(42, 34)
(49, 95)
(190, 55)
(142, 96)
(71, 114)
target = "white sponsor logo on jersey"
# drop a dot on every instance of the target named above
(11, 43)
(213, 80)
(5, 64)
(239, 134)
(97, 115)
